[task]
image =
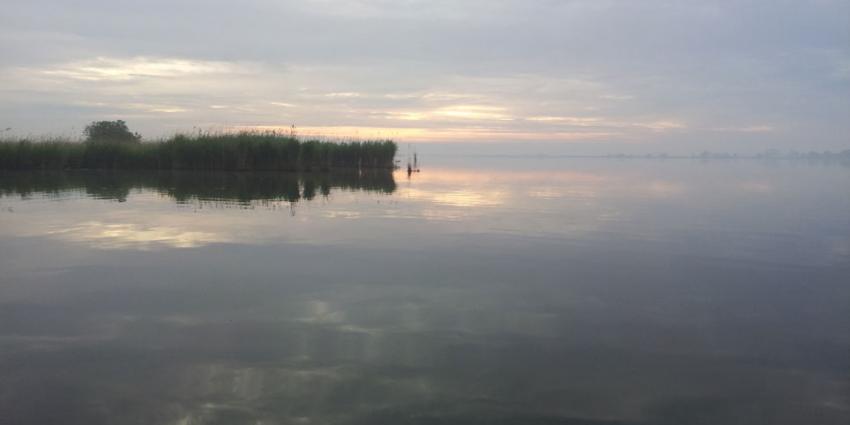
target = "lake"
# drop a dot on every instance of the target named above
(498, 290)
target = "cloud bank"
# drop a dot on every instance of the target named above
(735, 74)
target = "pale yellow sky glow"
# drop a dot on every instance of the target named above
(230, 96)
(431, 134)
(603, 77)
(117, 69)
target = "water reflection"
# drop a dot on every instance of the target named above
(130, 235)
(189, 186)
(586, 293)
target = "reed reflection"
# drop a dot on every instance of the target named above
(201, 186)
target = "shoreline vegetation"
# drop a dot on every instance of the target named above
(769, 155)
(245, 151)
(826, 156)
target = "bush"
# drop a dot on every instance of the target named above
(110, 132)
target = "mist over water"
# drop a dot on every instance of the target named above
(497, 290)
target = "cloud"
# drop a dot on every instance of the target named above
(574, 121)
(662, 125)
(344, 95)
(473, 112)
(117, 69)
(656, 71)
(747, 129)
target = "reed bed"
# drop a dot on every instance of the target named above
(227, 152)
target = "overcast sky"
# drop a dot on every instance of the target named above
(692, 75)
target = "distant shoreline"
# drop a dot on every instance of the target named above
(843, 156)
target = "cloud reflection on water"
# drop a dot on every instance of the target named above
(564, 293)
(133, 236)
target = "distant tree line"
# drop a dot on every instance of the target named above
(111, 145)
(777, 154)
(842, 156)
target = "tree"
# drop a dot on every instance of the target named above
(110, 132)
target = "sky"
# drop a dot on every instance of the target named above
(663, 75)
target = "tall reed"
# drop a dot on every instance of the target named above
(224, 151)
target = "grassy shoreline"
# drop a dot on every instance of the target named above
(225, 152)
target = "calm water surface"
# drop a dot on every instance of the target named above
(487, 291)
